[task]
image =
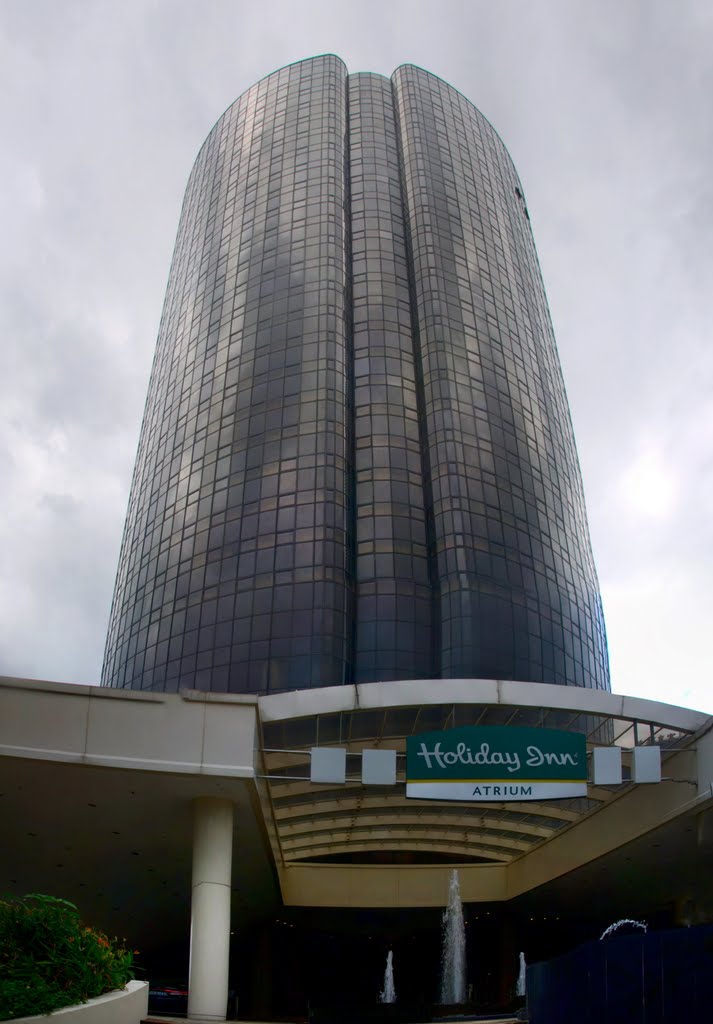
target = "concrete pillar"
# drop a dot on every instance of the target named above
(210, 908)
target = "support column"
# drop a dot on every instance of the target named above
(210, 908)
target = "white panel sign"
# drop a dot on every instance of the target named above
(606, 766)
(328, 764)
(646, 764)
(378, 767)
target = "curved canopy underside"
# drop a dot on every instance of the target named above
(365, 824)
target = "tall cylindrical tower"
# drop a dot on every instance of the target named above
(357, 461)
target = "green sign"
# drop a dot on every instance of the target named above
(496, 762)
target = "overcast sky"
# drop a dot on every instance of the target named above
(606, 108)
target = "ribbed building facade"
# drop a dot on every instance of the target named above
(357, 461)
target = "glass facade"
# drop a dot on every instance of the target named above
(357, 461)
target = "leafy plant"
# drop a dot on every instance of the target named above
(50, 959)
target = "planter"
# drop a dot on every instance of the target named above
(127, 1006)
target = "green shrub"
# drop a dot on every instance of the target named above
(50, 959)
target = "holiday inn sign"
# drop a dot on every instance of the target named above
(496, 762)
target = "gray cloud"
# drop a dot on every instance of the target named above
(605, 109)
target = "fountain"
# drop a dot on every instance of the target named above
(388, 994)
(620, 924)
(521, 988)
(453, 955)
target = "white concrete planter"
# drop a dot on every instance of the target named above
(125, 1006)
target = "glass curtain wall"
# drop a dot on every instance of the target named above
(357, 461)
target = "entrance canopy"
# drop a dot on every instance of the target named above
(99, 785)
(378, 846)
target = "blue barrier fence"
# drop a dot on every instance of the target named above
(663, 977)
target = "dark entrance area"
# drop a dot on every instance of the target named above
(306, 960)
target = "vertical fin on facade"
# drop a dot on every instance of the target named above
(393, 620)
(232, 573)
(504, 466)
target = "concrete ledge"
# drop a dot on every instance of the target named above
(376, 885)
(115, 729)
(127, 1006)
(414, 692)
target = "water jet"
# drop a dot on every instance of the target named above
(521, 987)
(388, 993)
(453, 954)
(620, 924)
